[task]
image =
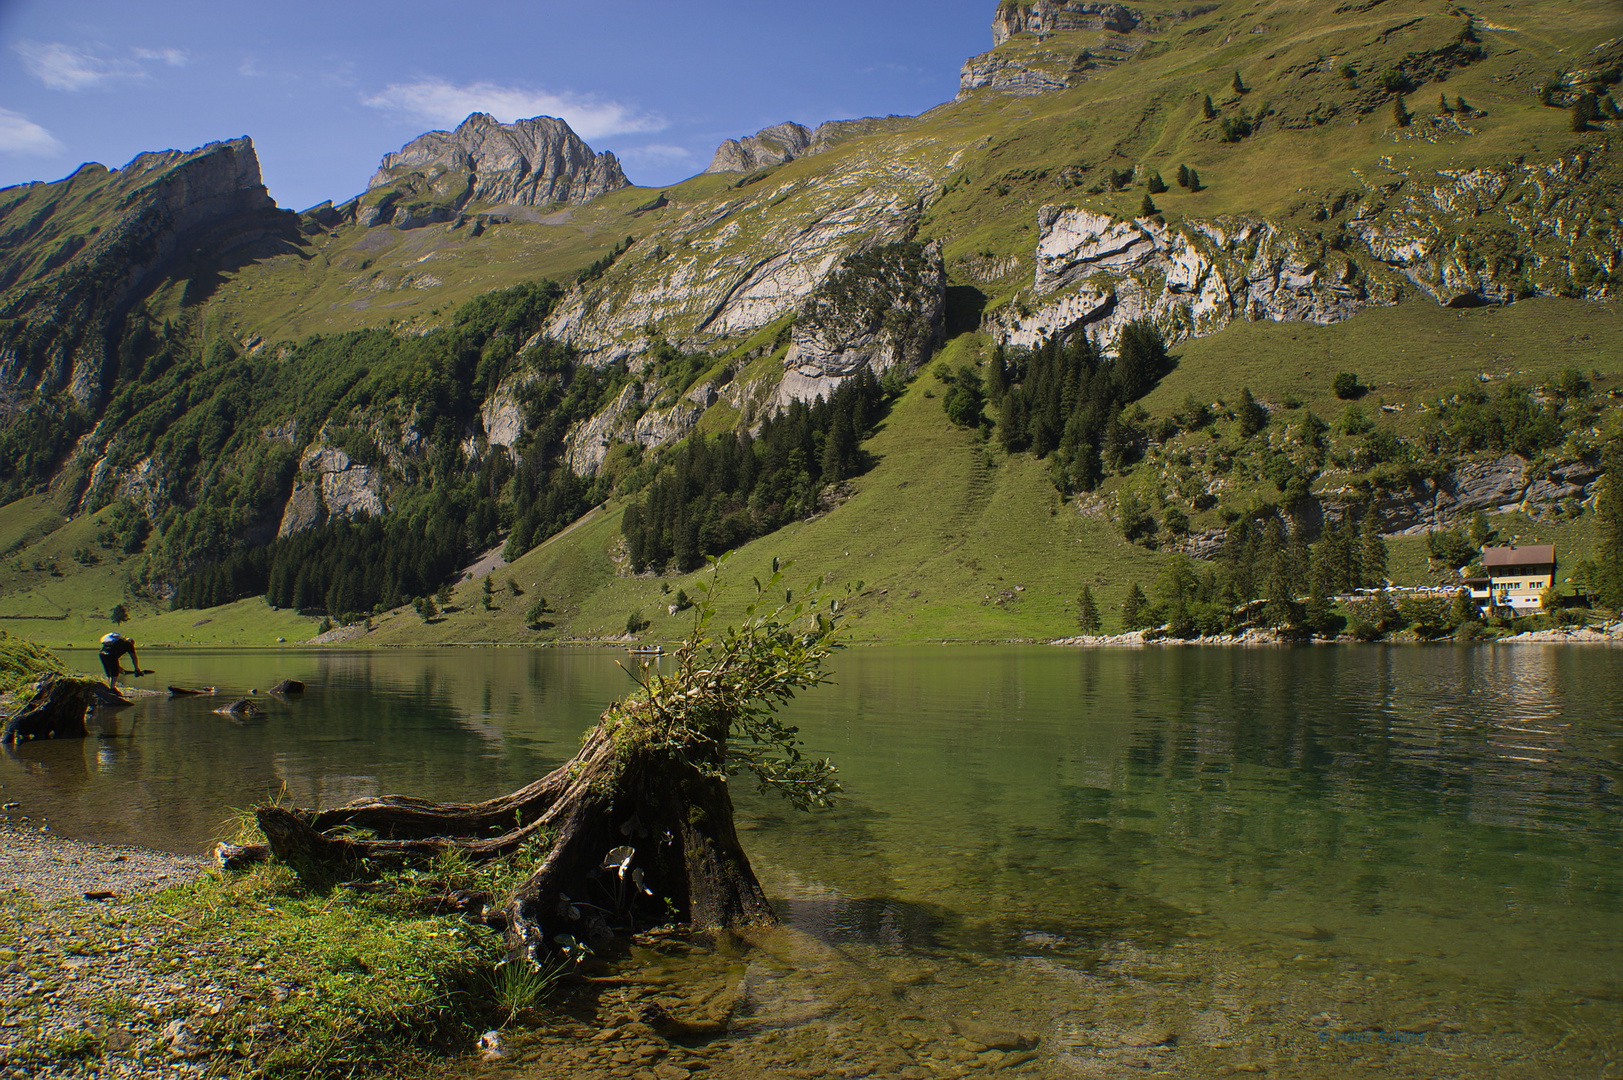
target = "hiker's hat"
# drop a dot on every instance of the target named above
(108, 639)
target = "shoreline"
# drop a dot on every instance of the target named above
(1606, 634)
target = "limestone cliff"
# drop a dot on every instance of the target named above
(721, 268)
(786, 141)
(880, 309)
(1461, 237)
(67, 285)
(1050, 45)
(529, 163)
(769, 146)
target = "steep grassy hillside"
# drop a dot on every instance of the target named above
(1381, 157)
(953, 538)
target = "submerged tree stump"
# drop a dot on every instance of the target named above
(638, 828)
(55, 710)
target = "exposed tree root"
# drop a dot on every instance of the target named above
(638, 827)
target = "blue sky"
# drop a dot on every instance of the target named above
(326, 89)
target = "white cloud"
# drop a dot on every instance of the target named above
(20, 135)
(436, 101)
(172, 57)
(656, 154)
(68, 67)
(63, 67)
(250, 69)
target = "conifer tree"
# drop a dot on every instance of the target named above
(1609, 512)
(1443, 106)
(1147, 208)
(1194, 180)
(1238, 86)
(1316, 609)
(1155, 185)
(1207, 109)
(997, 377)
(1372, 550)
(1252, 416)
(1183, 176)
(1132, 608)
(1087, 612)
(1400, 114)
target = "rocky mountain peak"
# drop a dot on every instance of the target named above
(529, 163)
(770, 146)
(1046, 45)
(1043, 17)
(786, 141)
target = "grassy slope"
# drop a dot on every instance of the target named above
(941, 513)
(960, 526)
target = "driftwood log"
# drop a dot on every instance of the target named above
(637, 829)
(55, 710)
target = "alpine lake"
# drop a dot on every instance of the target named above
(1303, 862)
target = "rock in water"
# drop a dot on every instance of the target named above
(56, 710)
(288, 686)
(240, 709)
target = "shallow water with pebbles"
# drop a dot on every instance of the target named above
(1295, 862)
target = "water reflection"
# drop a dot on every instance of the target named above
(1366, 833)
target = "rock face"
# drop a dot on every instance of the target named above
(1097, 272)
(1461, 237)
(1050, 45)
(330, 485)
(530, 163)
(1497, 486)
(789, 140)
(73, 284)
(769, 146)
(628, 419)
(734, 266)
(1046, 17)
(882, 308)
(1490, 235)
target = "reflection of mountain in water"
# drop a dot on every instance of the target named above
(449, 724)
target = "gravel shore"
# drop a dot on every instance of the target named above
(85, 990)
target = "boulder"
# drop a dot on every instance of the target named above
(288, 686)
(240, 709)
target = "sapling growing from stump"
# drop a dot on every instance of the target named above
(637, 829)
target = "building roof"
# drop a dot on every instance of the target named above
(1526, 555)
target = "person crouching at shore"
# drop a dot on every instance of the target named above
(113, 647)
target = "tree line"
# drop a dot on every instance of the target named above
(712, 493)
(1064, 398)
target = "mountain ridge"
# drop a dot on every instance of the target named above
(1322, 184)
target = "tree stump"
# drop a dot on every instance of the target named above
(56, 710)
(638, 828)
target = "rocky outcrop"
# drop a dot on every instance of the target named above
(1044, 17)
(1050, 45)
(732, 267)
(1096, 272)
(786, 141)
(770, 146)
(628, 419)
(881, 308)
(74, 282)
(330, 485)
(1497, 486)
(1492, 234)
(529, 163)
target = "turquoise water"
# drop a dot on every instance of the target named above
(1183, 860)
